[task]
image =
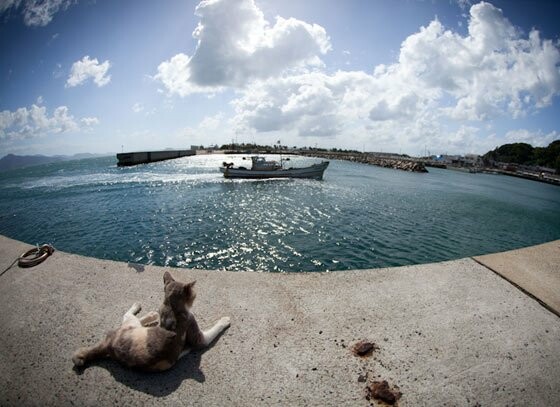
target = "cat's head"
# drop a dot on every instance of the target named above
(177, 294)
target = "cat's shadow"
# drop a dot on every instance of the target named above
(157, 384)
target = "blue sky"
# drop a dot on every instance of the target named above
(402, 76)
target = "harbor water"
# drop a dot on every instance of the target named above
(184, 213)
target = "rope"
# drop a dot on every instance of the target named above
(9, 267)
(39, 254)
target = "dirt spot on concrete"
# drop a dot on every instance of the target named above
(364, 348)
(381, 391)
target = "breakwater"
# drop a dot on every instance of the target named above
(498, 338)
(400, 163)
(548, 179)
(144, 157)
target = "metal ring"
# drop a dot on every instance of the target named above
(40, 253)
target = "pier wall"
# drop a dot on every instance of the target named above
(451, 333)
(144, 157)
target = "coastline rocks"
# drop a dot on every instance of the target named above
(365, 158)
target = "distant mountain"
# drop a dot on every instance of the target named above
(12, 161)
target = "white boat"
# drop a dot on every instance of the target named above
(262, 168)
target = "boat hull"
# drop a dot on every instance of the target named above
(314, 172)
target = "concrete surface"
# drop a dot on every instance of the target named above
(535, 269)
(451, 333)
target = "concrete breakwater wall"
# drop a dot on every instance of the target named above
(548, 179)
(371, 159)
(143, 157)
(452, 333)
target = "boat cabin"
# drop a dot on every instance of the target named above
(260, 164)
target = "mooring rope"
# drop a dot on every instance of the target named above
(32, 257)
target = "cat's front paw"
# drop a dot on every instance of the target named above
(224, 322)
(79, 358)
(150, 319)
(135, 309)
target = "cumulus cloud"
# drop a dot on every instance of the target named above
(440, 80)
(535, 138)
(317, 104)
(35, 122)
(464, 4)
(36, 12)
(492, 71)
(89, 121)
(312, 104)
(211, 123)
(87, 68)
(237, 45)
(137, 107)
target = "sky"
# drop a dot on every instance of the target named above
(404, 76)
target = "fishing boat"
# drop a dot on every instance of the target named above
(262, 168)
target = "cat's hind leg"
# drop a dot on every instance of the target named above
(150, 319)
(129, 318)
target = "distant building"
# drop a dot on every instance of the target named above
(468, 160)
(472, 160)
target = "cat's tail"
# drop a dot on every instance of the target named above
(84, 355)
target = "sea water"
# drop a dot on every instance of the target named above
(184, 213)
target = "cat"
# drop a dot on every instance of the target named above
(144, 344)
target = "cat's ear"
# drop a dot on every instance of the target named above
(167, 278)
(189, 288)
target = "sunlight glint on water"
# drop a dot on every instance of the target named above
(184, 213)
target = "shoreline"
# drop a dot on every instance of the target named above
(527, 176)
(397, 162)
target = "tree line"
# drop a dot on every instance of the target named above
(526, 154)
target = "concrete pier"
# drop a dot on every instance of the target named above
(452, 333)
(144, 157)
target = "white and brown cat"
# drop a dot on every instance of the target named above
(156, 341)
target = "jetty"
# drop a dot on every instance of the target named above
(388, 161)
(144, 157)
(474, 331)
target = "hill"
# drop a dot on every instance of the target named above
(13, 161)
(525, 154)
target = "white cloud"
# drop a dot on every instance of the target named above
(89, 121)
(36, 12)
(310, 104)
(535, 138)
(210, 130)
(87, 68)
(492, 71)
(140, 108)
(54, 37)
(236, 45)
(58, 72)
(440, 80)
(137, 107)
(35, 122)
(464, 4)
(211, 123)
